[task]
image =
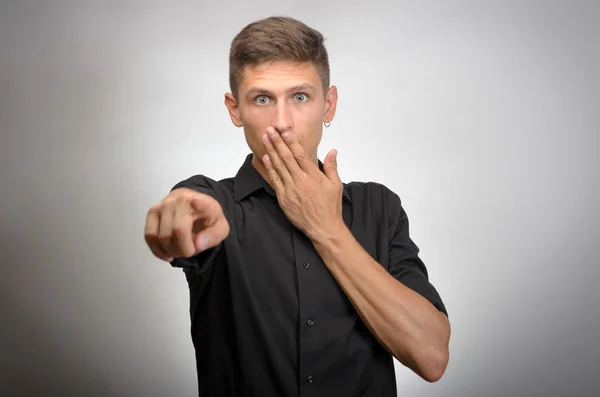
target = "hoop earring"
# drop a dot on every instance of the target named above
(327, 124)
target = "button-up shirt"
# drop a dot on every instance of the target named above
(267, 316)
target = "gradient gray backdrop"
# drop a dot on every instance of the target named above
(482, 116)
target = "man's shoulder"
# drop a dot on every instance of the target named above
(369, 190)
(205, 184)
(381, 202)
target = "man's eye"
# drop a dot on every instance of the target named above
(301, 97)
(262, 100)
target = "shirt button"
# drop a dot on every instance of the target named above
(309, 379)
(310, 323)
(306, 265)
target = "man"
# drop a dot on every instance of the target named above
(299, 284)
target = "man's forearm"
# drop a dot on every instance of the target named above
(408, 325)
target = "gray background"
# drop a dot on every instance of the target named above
(482, 116)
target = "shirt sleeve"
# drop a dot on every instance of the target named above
(404, 262)
(201, 263)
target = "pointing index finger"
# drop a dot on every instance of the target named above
(203, 205)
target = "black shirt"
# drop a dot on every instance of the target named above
(267, 317)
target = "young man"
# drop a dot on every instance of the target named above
(299, 284)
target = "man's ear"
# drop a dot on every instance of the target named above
(234, 110)
(331, 100)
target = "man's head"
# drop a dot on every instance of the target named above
(279, 76)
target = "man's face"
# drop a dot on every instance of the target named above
(286, 95)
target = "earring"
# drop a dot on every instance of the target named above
(327, 124)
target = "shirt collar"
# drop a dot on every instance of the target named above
(248, 180)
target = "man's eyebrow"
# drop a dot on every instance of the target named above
(301, 87)
(264, 91)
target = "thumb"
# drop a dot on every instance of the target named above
(212, 235)
(330, 166)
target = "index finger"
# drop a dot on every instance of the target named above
(298, 151)
(204, 206)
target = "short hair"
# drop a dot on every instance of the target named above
(277, 39)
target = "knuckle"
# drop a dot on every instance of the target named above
(153, 210)
(198, 199)
(304, 179)
(180, 198)
(167, 202)
(277, 162)
(150, 237)
(178, 191)
(178, 194)
(187, 194)
(178, 232)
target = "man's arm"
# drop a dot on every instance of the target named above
(186, 228)
(408, 325)
(411, 328)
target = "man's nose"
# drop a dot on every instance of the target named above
(282, 119)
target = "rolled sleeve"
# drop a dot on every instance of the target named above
(404, 262)
(201, 263)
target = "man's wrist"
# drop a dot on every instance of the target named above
(332, 235)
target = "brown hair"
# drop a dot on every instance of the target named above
(277, 39)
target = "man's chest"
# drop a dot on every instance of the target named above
(274, 265)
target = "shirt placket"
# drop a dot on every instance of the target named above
(306, 260)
